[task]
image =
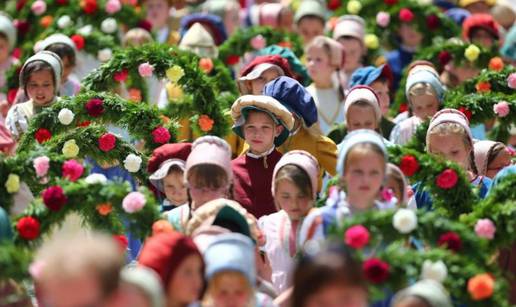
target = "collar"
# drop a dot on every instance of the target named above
(265, 154)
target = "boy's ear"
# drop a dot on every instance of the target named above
(279, 130)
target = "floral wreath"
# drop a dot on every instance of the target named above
(204, 105)
(384, 18)
(14, 261)
(254, 39)
(441, 54)
(490, 95)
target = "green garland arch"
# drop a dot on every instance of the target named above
(205, 99)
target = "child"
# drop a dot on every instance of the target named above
(207, 177)
(424, 293)
(449, 136)
(212, 23)
(264, 123)
(325, 56)
(329, 278)
(260, 71)
(136, 37)
(481, 29)
(295, 190)
(159, 16)
(424, 92)
(362, 111)
(397, 183)
(361, 168)
(350, 33)
(231, 273)
(40, 78)
(275, 15)
(491, 157)
(179, 264)
(167, 166)
(7, 43)
(310, 19)
(380, 80)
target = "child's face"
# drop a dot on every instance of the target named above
(231, 292)
(412, 301)
(258, 84)
(260, 131)
(133, 296)
(40, 87)
(4, 49)
(186, 285)
(310, 27)
(157, 12)
(364, 175)
(175, 190)
(68, 67)
(291, 199)
(354, 50)
(318, 64)
(202, 195)
(482, 37)
(451, 147)
(502, 160)
(409, 35)
(231, 20)
(382, 91)
(424, 106)
(338, 296)
(361, 117)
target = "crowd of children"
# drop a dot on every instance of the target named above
(247, 230)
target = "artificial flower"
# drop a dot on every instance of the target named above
(79, 41)
(205, 123)
(94, 107)
(451, 241)
(145, 24)
(371, 41)
(28, 228)
(96, 179)
(434, 270)
(85, 30)
(121, 76)
(133, 202)
(161, 226)
(72, 170)
(481, 286)
(409, 165)
(333, 4)
(174, 91)
(444, 57)
(41, 165)
(386, 194)
(42, 135)
(132, 163)
(175, 73)
(107, 142)
(375, 270)
(502, 109)
(104, 55)
(22, 26)
(54, 198)
(146, 69)
(357, 236)
(70, 149)
(65, 116)
(89, 6)
(496, 64)
(485, 228)
(84, 123)
(233, 59)
(383, 19)
(483, 87)
(12, 184)
(432, 22)
(472, 52)
(39, 7)
(406, 15)
(64, 22)
(206, 65)
(258, 42)
(404, 220)
(121, 241)
(109, 25)
(113, 6)
(135, 94)
(46, 21)
(160, 135)
(354, 7)
(390, 2)
(424, 2)
(11, 95)
(104, 209)
(466, 112)
(511, 80)
(447, 179)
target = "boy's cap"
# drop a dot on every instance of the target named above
(369, 74)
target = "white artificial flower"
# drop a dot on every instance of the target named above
(109, 25)
(86, 30)
(64, 22)
(404, 220)
(96, 178)
(65, 116)
(104, 55)
(132, 163)
(434, 270)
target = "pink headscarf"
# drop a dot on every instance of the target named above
(305, 161)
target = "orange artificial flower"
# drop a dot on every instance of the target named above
(161, 226)
(205, 123)
(206, 65)
(285, 44)
(332, 22)
(496, 64)
(164, 119)
(483, 87)
(135, 94)
(104, 209)
(481, 286)
(46, 21)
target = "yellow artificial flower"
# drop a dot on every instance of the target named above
(174, 91)
(371, 41)
(472, 52)
(12, 185)
(70, 149)
(175, 73)
(354, 7)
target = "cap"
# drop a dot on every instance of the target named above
(482, 151)
(367, 75)
(57, 38)
(219, 154)
(51, 59)
(305, 161)
(350, 25)
(450, 116)
(366, 94)
(354, 138)
(310, 8)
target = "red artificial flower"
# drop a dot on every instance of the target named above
(28, 228)
(232, 59)
(61, 2)
(72, 170)
(451, 241)
(406, 15)
(20, 4)
(11, 95)
(54, 198)
(42, 135)
(375, 270)
(483, 87)
(22, 27)
(78, 40)
(356, 236)
(444, 57)
(107, 142)
(145, 24)
(89, 6)
(121, 76)
(205, 123)
(206, 65)
(447, 179)
(432, 22)
(333, 4)
(481, 286)
(403, 107)
(466, 112)
(94, 107)
(390, 2)
(496, 64)
(122, 242)
(17, 53)
(83, 124)
(409, 165)
(160, 135)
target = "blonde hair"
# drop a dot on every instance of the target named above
(215, 282)
(136, 37)
(420, 89)
(322, 42)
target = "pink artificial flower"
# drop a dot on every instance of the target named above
(133, 202)
(357, 236)
(510, 151)
(501, 109)
(41, 165)
(383, 19)
(145, 70)
(258, 42)
(113, 6)
(160, 135)
(39, 7)
(72, 170)
(387, 194)
(511, 80)
(485, 228)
